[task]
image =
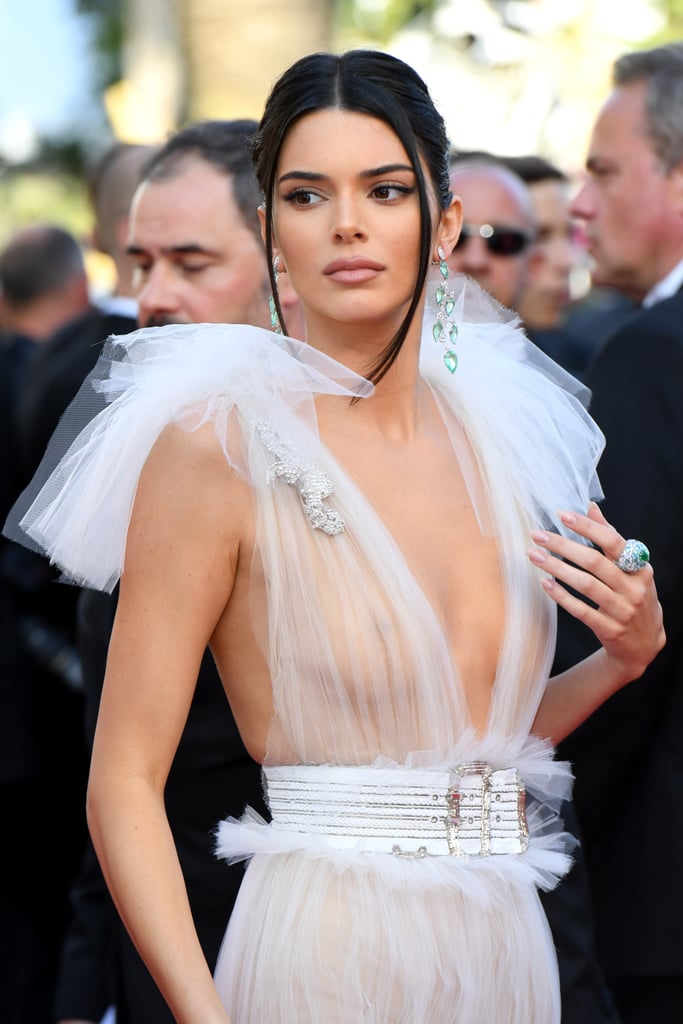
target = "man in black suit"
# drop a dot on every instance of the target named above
(42, 753)
(194, 239)
(629, 756)
(493, 194)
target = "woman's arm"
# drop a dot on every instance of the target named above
(180, 564)
(625, 616)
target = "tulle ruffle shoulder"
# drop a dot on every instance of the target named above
(530, 414)
(77, 508)
(522, 414)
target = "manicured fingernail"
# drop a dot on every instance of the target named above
(568, 518)
(540, 537)
(537, 557)
(548, 585)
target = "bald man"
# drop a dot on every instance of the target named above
(42, 282)
(496, 245)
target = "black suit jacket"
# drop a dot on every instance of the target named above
(571, 349)
(628, 756)
(56, 374)
(19, 754)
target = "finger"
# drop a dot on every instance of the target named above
(589, 558)
(597, 530)
(598, 580)
(595, 512)
(608, 629)
(586, 613)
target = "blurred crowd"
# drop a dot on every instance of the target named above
(179, 223)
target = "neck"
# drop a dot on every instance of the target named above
(394, 410)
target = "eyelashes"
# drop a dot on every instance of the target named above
(385, 192)
(303, 194)
(403, 190)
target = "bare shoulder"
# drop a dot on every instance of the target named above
(187, 468)
(191, 509)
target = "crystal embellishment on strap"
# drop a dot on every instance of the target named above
(312, 483)
(486, 811)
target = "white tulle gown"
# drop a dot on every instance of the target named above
(362, 674)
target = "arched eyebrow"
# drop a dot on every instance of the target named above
(372, 172)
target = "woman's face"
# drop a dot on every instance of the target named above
(346, 219)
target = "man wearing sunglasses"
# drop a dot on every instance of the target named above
(497, 248)
(496, 245)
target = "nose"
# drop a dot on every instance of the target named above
(158, 295)
(347, 225)
(582, 205)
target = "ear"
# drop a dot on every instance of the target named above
(450, 223)
(262, 221)
(276, 250)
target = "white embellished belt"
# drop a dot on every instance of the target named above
(473, 810)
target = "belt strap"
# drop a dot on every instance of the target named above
(474, 810)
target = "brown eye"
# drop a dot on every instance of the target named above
(387, 192)
(302, 197)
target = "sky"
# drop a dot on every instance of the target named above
(45, 80)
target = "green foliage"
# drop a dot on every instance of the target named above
(379, 20)
(107, 20)
(673, 30)
(37, 198)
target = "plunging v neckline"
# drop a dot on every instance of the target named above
(338, 470)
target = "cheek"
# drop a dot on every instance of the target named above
(404, 252)
(303, 262)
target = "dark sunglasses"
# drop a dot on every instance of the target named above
(499, 241)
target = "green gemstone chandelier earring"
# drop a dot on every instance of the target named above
(445, 329)
(275, 324)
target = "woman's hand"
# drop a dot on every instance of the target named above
(627, 617)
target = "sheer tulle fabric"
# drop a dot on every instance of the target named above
(360, 663)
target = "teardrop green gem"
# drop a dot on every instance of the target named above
(451, 361)
(443, 267)
(436, 331)
(440, 293)
(450, 306)
(453, 333)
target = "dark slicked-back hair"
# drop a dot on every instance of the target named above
(381, 86)
(224, 145)
(661, 69)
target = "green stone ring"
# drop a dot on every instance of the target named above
(634, 557)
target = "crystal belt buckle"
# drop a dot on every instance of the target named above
(486, 811)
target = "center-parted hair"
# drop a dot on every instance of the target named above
(381, 86)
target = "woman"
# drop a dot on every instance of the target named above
(346, 523)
